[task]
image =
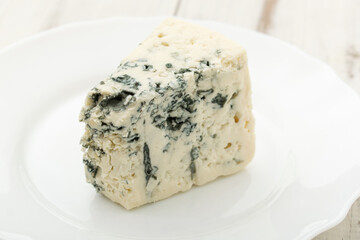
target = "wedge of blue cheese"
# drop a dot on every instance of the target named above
(176, 113)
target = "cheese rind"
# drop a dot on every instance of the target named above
(177, 112)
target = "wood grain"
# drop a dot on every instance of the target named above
(22, 18)
(326, 29)
(266, 16)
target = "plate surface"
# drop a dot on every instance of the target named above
(303, 179)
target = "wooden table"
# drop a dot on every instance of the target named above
(326, 29)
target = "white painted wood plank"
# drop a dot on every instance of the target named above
(80, 10)
(348, 229)
(242, 13)
(22, 18)
(328, 30)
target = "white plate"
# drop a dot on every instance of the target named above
(305, 175)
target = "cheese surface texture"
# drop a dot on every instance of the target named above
(176, 113)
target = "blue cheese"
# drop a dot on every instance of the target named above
(175, 113)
